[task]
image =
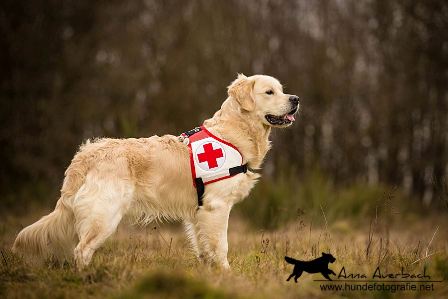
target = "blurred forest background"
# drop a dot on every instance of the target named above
(371, 75)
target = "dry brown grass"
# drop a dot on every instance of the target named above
(154, 262)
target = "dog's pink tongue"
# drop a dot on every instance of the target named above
(290, 117)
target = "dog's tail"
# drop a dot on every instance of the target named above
(52, 236)
(290, 260)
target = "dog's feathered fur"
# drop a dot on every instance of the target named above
(149, 178)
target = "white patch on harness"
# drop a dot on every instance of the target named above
(212, 158)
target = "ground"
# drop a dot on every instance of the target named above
(155, 261)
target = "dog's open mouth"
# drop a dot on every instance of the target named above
(281, 120)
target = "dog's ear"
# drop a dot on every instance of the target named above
(242, 90)
(324, 254)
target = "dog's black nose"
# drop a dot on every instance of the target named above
(294, 100)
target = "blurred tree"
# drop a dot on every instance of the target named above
(372, 76)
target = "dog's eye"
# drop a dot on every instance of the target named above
(270, 92)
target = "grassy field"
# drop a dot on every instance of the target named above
(155, 262)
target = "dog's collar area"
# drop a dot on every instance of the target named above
(211, 159)
(191, 132)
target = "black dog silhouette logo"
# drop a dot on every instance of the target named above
(319, 265)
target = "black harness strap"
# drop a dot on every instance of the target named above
(200, 187)
(192, 131)
(238, 169)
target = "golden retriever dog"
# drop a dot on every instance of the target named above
(150, 179)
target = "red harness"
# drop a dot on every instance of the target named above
(211, 158)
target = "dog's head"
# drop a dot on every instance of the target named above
(328, 257)
(263, 97)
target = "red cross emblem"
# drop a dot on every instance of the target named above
(210, 155)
